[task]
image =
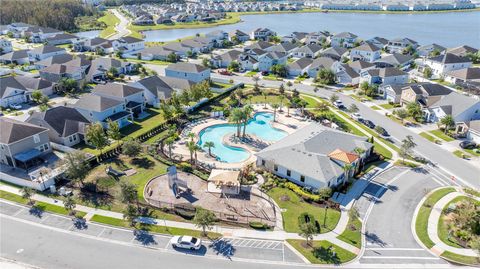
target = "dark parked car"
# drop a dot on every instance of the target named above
(468, 145)
(264, 73)
(369, 124)
(381, 131)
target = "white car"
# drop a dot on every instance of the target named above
(16, 106)
(186, 242)
(356, 116)
(338, 104)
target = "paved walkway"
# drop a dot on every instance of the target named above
(434, 219)
(230, 232)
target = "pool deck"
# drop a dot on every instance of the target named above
(288, 124)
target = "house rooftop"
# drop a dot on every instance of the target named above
(470, 73)
(367, 47)
(92, 102)
(449, 58)
(116, 90)
(12, 131)
(65, 121)
(187, 67)
(46, 49)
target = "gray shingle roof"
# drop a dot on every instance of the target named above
(455, 103)
(56, 59)
(46, 49)
(22, 83)
(15, 55)
(450, 58)
(13, 130)
(300, 63)
(466, 73)
(157, 86)
(96, 103)
(65, 121)
(367, 47)
(306, 151)
(187, 67)
(116, 90)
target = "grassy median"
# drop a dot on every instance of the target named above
(322, 252)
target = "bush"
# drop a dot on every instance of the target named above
(309, 197)
(186, 214)
(308, 218)
(185, 167)
(257, 225)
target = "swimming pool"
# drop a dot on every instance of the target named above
(259, 126)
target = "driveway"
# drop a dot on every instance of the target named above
(54, 101)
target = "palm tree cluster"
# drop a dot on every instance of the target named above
(240, 117)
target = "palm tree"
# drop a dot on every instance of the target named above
(256, 79)
(247, 115)
(275, 106)
(288, 104)
(196, 148)
(250, 99)
(447, 122)
(169, 141)
(209, 145)
(191, 136)
(346, 170)
(192, 148)
(281, 98)
(236, 116)
(264, 94)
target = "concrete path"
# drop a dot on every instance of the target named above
(230, 232)
(121, 28)
(433, 221)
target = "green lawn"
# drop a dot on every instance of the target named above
(421, 223)
(375, 107)
(406, 163)
(322, 252)
(473, 151)
(428, 137)
(110, 20)
(152, 228)
(294, 206)
(251, 73)
(440, 134)
(460, 258)
(41, 205)
(353, 233)
(311, 102)
(271, 77)
(387, 106)
(461, 154)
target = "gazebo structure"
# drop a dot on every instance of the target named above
(224, 182)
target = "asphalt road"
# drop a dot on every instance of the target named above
(388, 227)
(464, 172)
(121, 27)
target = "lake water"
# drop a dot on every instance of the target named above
(447, 29)
(88, 34)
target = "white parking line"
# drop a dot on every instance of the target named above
(394, 249)
(18, 212)
(101, 232)
(271, 243)
(44, 219)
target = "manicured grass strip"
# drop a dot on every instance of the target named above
(460, 258)
(440, 134)
(406, 163)
(375, 108)
(311, 102)
(460, 154)
(352, 236)
(110, 20)
(428, 137)
(473, 151)
(251, 73)
(151, 228)
(294, 206)
(421, 223)
(320, 253)
(41, 205)
(387, 106)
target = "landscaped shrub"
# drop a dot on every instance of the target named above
(309, 197)
(186, 211)
(186, 167)
(258, 225)
(305, 217)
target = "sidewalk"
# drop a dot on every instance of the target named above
(229, 232)
(433, 221)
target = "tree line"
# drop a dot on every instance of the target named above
(138, 2)
(58, 14)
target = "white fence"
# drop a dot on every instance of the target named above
(40, 186)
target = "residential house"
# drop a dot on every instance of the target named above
(462, 51)
(471, 130)
(96, 108)
(257, 59)
(462, 108)
(260, 45)
(44, 52)
(366, 52)
(92, 44)
(346, 75)
(343, 39)
(471, 74)
(318, 38)
(284, 47)
(5, 46)
(22, 144)
(57, 72)
(61, 39)
(38, 34)
(398, 45)
(190, 71)
(15, 57)
(155, 89)
(361, 66)
(315, 156)
(128, 44)
(294, 37)
(218, 36)
(445, 63)
(336, 53)
(132, 97)
(423, 93)
(199, 45)
(262, 34)
(18, 89)
(400, 61)
(56, 59)
(392, 93)
(299, 67)
(66, 126)
(307, 51)
(379, 42)
(224, 59)
(238, 36)
(427, 50)
(322, 63)
(100, 66)
(156, 53)
(389, 75)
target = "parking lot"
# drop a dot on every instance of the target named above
(224, 248)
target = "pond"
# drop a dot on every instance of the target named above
(447, 29)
